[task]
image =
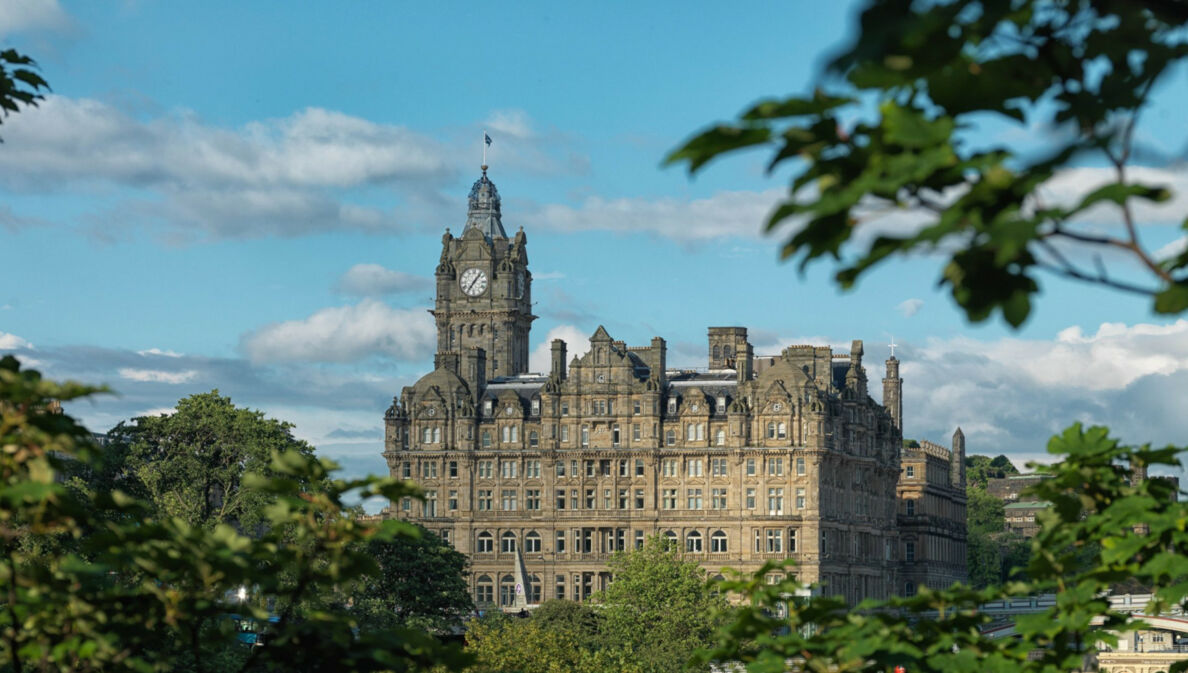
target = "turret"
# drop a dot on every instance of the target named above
(893, 393)
(957, 462)
(557, 371)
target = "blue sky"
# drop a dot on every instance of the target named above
(251, 196)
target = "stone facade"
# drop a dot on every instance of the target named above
(543, 476)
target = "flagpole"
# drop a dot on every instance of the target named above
(484, 149)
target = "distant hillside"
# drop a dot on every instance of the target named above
(979, 469)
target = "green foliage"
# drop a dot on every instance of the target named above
(1086, 544)
(191, 464)
(984, 512)
(19, 82)
(888, 134)
(421, 583)
(659, 607)
(979, 470)
(140, 592)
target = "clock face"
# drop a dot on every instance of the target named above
(520, 283)
(473, 282)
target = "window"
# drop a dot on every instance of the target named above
(533, 439)
(532, 499)
(750, 498)
(639, 467)
(485, 500)
(560, 498)
(670, 498)
(670, 438)
(669, 467)
(532, 469)
(775, 541)
(486, 543)
(719, 501)
(791, 540)
(693, 467)
(624, 502)
(639, 498)
(535, 406)
(909, 589)
(635, 407)
(775, 467)
(693, 498)
(771, 430)
(486, 407)
(560, 468)
(589, 468)
(406, 504)
(718, 542)
(406, 470)
(486, 439)
(484, 591)
(911, 473)
(532, 543)
(507, 591)
(639, 539)
(453, 469)
(573, 498)
(782, 430)
(585, 435)
(718, 467)
(507, 500)
(635, 433)
(446, 536)
(565, 433)
(800, 498)
(750, 467)
(589, 498)
(606, 499)
(624, 468)
(430, 505)
(672, 404)
(670, 539)
(909, 551)
(720, 437)
(565, 408)
(486, 469)
(775, 501)
(615, 435)
(690, 432)
(560, 545)
(800, 466)
(604, 467)
(453, 501)
(560, 594)
(507, 542)
(693, 542)
(721, 404)
(508, 469)
(429, 470)
(911, 507)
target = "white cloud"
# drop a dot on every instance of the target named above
(157, 375)
(519, 143)
(11, 342)
(157, 411)
(1070, 185)
(1172, 249)
(910, 307)
(577, 344)
(162, 353)
(725, 214)
(513, 123)
(280, 176)
(345, 334)
(375, 280)
(32, 15)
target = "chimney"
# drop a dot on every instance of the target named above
(558, 368)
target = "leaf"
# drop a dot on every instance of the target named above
(718, 140)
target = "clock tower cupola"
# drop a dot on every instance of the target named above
(484, 287)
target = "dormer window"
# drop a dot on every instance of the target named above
(535, 407)
(672, 405)
(487, 406)
(721, 404)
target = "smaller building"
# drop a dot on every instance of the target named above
(1009, 489)
(1019, 517)
(1146, 651)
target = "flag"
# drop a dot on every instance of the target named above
(487, 139)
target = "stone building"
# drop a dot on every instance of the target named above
(539, 478)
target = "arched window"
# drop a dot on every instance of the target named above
(771, 430)
(534, 589)
(486, 439)
(515, 433)
(717, 352)
(727, 352)
(532, 542)
(426, 436)
(701, 432)
(782, 430)
(718, 542)
(507, 591)
(670, 539)
(486, 543)
(437, 435)
(693, 542)
(533, 439)
(507, 542)
(484, 590)
(670, 438)
(720, 437)
(506, 434)
(909, 588)
(690, 432)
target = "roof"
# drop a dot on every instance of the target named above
(1030, 504)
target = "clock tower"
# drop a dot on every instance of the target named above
(484, 297)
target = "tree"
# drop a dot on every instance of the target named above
(917, 76)
(191, 463)
(141, 593)
(659, 607)
(979, 470)
(420, 583)
(983, 511)
(19, 82)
